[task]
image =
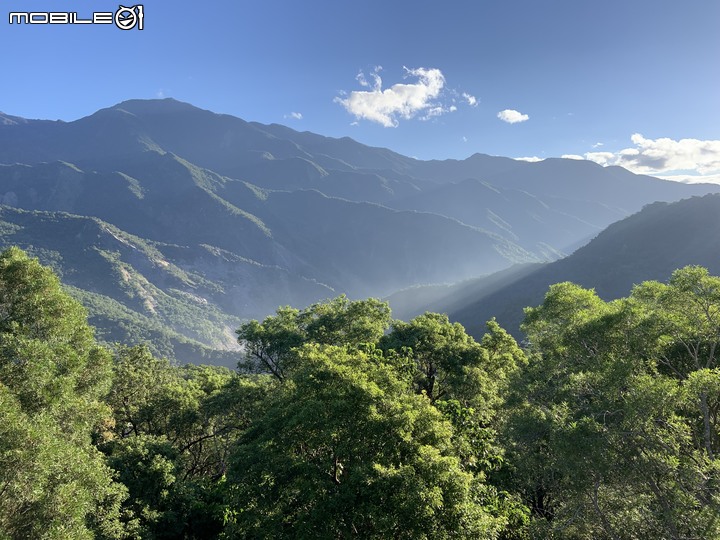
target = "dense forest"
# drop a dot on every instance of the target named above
(342, 422)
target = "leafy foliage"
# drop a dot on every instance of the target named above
(372, 433)
(52, 376)
(173, 431)
(612, 428)
(270, 345)
(343, 423)
(344, 449)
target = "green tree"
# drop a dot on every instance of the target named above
(464, 379)
(446, 361)
(686, 325)
(607, 431)
(174, 428)
(428, 364)
(269, 346)
(345, 448)
(55, 483)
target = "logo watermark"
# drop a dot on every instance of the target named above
(124, 18)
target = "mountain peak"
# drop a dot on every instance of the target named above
(156, 106)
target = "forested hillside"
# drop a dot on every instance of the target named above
(341, 422)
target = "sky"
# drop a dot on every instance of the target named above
(634, 83)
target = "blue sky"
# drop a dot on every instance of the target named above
(631, 82)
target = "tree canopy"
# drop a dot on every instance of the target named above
(341, 422)
(612, 429)
(53, 376)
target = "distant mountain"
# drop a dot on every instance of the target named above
(349, 245)
(512, 213)
(160, 213)
(648, 245)
(448, 298)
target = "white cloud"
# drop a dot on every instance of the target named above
(530, 159)
(294, 115)
(400, 101)
(465, 139)
(572, 156)
(684, 160)
(512, 116)
(472, 100)
(377, 81)
(433, 111)
(662, 155)
(602, 158)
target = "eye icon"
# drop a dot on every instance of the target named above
(127, 18)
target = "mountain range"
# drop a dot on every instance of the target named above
(173, 224)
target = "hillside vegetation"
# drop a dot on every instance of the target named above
(342, 422)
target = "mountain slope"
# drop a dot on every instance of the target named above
(648, 245)
(514, 214)
(137, 288)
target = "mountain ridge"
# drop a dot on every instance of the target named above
(262, 215)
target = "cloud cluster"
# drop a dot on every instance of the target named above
(399, 101)
(472, 100)
(294, 116)
(698, 159)
(512, 116)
